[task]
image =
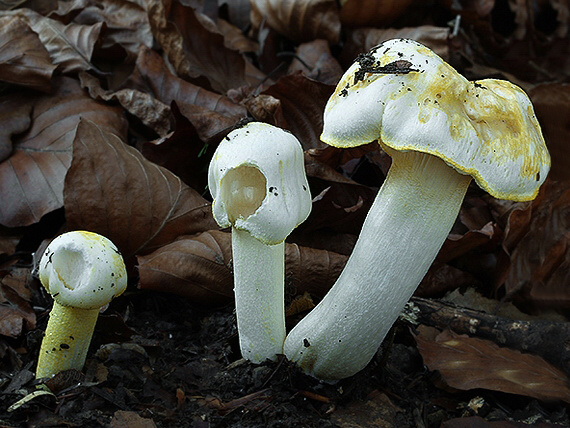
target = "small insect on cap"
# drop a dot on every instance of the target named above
(258, 182)
(404, 95)
(83, 270)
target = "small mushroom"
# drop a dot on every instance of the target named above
(257, 179)
(440, 130)
(82, 271)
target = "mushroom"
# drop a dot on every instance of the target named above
(82, 271)
(441, 131)
(258, 183)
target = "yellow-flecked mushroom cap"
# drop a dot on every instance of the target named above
(83, 270)
(404, 95)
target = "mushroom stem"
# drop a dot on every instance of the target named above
(83, 272)
(67, 339)
(407, 224)
(259, 280)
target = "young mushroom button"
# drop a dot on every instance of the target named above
(82, 271)
(441, 131)
(258, 183)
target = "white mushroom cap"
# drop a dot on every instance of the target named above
(83, 270)
(406, 96)
(284, 199)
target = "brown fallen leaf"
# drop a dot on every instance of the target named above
(9, 239)
(551, 103)
(182, 152)
(150, 111)
(113, 190)
(24, 60)
(126, 23)
(442, 278)
(377, 410)
(15, 118)
(195, 47)
(123, 418)
(361, 40)
(477, 316)
(199, 268)
(70, 46)
(195, 267)
(338, 202)
(299, 20)
(457, 245)
(301, 105)
(371, 13)
(536, 270)
(467, 363)
(340, 207)
(152, 73)
(16, 313)
(235, 39)
(209, 112)
(315, 60)
(31, 179)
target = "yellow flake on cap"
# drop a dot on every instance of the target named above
(406, 96)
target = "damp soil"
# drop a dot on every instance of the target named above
(158, 361)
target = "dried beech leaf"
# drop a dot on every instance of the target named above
(199, 268)
(371, 13)
(196, 267)
(238, 11)
(301, 105)
(195, 47)
(123, 418)
(234, 38)
(311, 270)
(299, 20)
(168, 37)
(300, 304)
(31, 180)
(340, 204)
(15, 313)
(458, 245)
(442, 278)
(113, 190)
(540, 263)
(468, 363)
(126, 23)
(182, 152)
(23, 59)
(315, 60)
(376, 410)
(363, 39)
(551, 103)
(15, 118)
(152, 74)
(341, 207)
(149, 110)
(334, 157)
(9, 239)
(210, 113)
(70, 46)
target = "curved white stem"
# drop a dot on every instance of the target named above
(403, 232)
(259, 272)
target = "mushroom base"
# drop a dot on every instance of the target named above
(66, 341)
(259, 271)
(401, 236)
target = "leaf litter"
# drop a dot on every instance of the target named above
(110, 112)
